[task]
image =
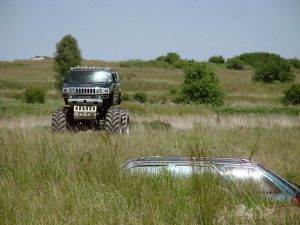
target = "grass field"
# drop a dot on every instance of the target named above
(75, 178)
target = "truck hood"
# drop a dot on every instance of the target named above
(103, 85)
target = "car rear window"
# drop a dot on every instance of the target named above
(249, 177)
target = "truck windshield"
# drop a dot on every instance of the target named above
(89, 76)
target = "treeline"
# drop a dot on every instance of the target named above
(253, 59)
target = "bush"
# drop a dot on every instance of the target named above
(234, 63)
(173, 91)
(140, 97)
(216, 59)
(34, 95)
(125, 97)
(201, 85)
(273, 69)
(292, 95)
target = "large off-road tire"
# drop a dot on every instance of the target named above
(61, 120)
(125, 121)
(113, 120)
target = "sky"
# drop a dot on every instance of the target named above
(116, 30)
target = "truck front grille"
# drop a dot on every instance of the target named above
(85, 90)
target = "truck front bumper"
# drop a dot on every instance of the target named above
(89, 101)
(85, 112)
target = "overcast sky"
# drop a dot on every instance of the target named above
(129, 29)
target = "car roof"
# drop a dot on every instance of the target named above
(186, 160)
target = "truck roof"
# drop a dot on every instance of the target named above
(86, 68)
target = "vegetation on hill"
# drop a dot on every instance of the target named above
(269, 67)
(216, 59)
(256, 58)
(172, 58)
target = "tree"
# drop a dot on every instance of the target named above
(67, 55)
(201, 86)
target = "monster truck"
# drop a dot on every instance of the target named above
(91, 95)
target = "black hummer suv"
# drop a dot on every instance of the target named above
(90, 93)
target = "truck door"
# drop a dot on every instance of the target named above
(116, 88)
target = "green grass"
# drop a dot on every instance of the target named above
(259, 110)
(240, 91)
(18, 108)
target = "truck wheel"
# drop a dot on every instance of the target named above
(60, 121)
(125, 121)
(113, 120)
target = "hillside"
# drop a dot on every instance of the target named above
(241, 94)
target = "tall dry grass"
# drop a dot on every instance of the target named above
(75, 178)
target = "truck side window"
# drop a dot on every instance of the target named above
(114, 77)
(117, 77)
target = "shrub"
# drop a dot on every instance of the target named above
(234, 63)
(216, 59)
(273, 69)
(125, 97)
(140, 97)
(34, 95)
(201, 85)
(292, 95)
(173, 91)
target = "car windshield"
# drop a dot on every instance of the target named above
(89, 76)
(249, 177)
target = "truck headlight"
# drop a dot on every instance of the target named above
(106, 90)
(72, 90)
(65, 90)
